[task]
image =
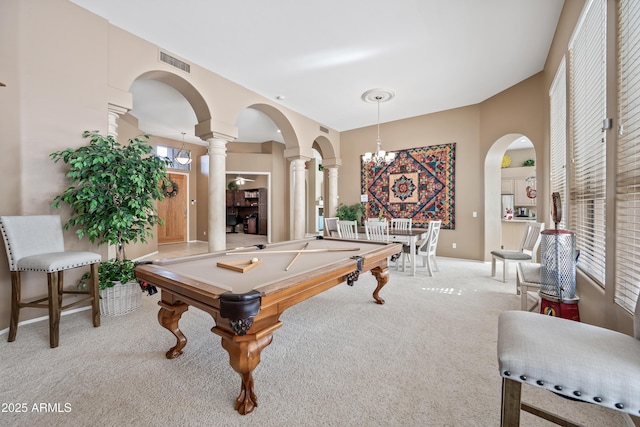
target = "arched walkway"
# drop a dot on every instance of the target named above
(492, 192)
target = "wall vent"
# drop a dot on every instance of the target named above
(324, 129)
(175, 62)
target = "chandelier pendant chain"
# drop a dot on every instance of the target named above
(380, 157)
(379, 142)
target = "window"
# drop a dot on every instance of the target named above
(558, 124)
(587, 89)
(628, 156)
(170, 153)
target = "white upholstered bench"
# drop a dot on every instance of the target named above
(572, 359)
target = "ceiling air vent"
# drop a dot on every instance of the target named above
(324, 129)
(175, 62)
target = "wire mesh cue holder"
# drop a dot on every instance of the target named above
(558, 274)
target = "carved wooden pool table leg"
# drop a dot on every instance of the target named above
(244, 356)
(382, 276)
(169, 316)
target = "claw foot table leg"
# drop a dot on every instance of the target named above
(169, 316)
(244, 356)
(382, 276)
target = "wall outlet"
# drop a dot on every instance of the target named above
(205, 233)
(453, 245)
(475, 214)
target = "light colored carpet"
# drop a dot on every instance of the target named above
(425, 358)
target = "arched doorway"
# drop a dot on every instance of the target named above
(163, 111)
(493, 225)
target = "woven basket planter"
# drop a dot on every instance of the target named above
(120, 299)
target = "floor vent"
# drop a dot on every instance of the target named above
(324, 129)
(175, 62)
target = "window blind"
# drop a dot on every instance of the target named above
(587, 86)
(628, 156)
(558, 136)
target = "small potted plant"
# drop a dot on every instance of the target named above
(112, 195)
(350, 212)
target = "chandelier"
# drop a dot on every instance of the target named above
(183, 156)
(380, 157)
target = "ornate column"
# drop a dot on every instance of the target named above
(115, 111)
(331, 206)
(299, 197)
(217, 194)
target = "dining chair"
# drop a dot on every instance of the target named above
(526, 253)
(347, 229)
(426, 248)
(35, 243)
(377, 230)
(331, 227)
(400, 224)
(578, 361)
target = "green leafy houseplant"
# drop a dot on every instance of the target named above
(350, 212)
(112, 194)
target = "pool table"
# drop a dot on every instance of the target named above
(247, 289)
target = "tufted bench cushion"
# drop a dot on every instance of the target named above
(56, 261)
(573, 359)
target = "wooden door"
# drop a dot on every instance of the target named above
(173, 210)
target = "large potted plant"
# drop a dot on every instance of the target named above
(112, 195)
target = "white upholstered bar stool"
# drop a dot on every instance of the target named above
(575, 360)
(35, 243)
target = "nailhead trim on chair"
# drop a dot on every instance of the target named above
(576, 393)
(66, 267)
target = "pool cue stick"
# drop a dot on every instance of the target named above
(293, 251)
(296, 257)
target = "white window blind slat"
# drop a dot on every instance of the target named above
(587, 89)
(627, 268)
(558, 136)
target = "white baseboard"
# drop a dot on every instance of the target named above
(146, 256)
(40, 319)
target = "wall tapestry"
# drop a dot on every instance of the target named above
(418, 184)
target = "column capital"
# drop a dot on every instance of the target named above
(114, 111)
(215, 129)
(219, 138)
(217, 146)
(298, 153)
(117, 109)
(331, 163)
